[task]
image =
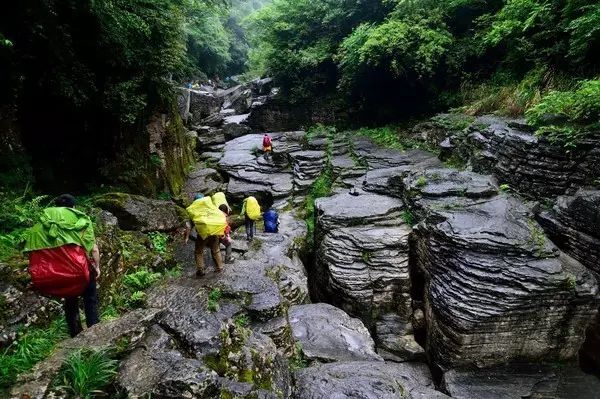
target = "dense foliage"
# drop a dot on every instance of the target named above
(80, 79)
(422, 54)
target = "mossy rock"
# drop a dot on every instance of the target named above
(139, 213)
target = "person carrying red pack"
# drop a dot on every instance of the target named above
(267, 146)
(64, 260)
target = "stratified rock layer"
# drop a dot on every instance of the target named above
(574, 225)
(496, 289)
(510, 151)
(368, 380)
(362, 261)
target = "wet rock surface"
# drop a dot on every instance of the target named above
(135, 212)
(510, 151)
(368, 380)
(492, 279)
(574, 225)
(524, 381)
(423, 263)
(328, 334)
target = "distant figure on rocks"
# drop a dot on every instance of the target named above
(267, 146)
(271, 219)
(251, 213)
(211, 224)
(64, 260)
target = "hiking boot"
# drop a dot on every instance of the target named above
(200, 273)
(218, 270)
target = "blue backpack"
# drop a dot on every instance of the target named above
(271, 217)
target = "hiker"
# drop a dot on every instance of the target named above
(251, 213)
(226, 238)
(64, 260)
(271, 219)
(267, 146)
(221, 202)
(210, 224)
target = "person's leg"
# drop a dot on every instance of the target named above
(72, 315)
(90, 302)
(199, 254)
(252, 229)
(226, 241)
(249, 227)
(215, 249)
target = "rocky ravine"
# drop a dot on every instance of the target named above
(428, 268)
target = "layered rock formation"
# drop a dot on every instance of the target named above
(366, 380)
(496, 289)
(362, 259)
(510, 151)
(574, 225)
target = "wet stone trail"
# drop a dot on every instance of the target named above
(421, 281)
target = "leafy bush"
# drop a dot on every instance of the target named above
(214, 296)
(141, 279)
(567, 116)
(159, 241)
(32, 346)
(87, 371)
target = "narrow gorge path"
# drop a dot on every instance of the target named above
(418, 281)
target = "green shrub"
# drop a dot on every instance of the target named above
(137, 299)
(86, 372)
(141, 279)
(214, 296)
(159, 241)
(565, 117)
(32, 346)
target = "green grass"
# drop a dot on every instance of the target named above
(214, 296)
(320, 188)
(242, 320)
(421, 181)
(408, 217)
(32, 346)
(86, 372)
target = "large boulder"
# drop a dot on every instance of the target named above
(203, 180)
(362, 262)
(20, 308)
(135, 212)
(326, 334)
(368, 380)
(130, 328)
(204, 104)
(491, 279)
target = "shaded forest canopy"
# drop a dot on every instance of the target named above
(79, 80)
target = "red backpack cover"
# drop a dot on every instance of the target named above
(62, 272)
(266, 141)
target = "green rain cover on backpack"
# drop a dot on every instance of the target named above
(59, 226)
(209, 220)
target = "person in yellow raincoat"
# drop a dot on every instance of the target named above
(210, 225)
(251, 213)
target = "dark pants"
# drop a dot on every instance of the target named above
(90, 306)
(249, 228)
